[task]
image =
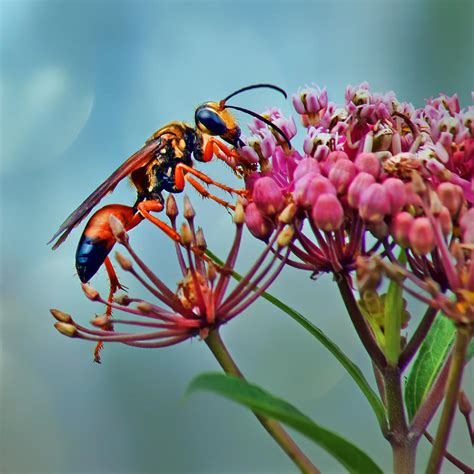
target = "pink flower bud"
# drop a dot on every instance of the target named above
(401, 225)
(341, 174)
(374, 203)
(412, 198)
(309, 189)
(267, 144)
(258, 225)
(267, 196)
(250, 181)
(298, 103)
(450, 196)
(395, 189)
(331, 159)
(468, 236)
(368, 163)
(249, 154)
(327, 213)
(467, 219)
(306, 166)
(359, 184)
(421, 236)
(445, 221)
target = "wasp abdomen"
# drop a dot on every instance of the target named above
(90, 256)
(97, 239)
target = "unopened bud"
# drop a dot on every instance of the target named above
(122, 300)
(328, 213)
(267, 196)
(467, 219)
(445, 221)
(101, 322)
(309, 188)
(421, 236)
(188, 209)
(186, 234)
(451, 196)
(368, 163)
(67, 329)
(61, 316)
(117, 228)
(239, 214)
(374, 203)
(417, 183)
(359, 184)
(286, 216)
(171, 207)
(123, 261)
(90, 292)
(285, 236)
(465, 406)
(341, 174)
(401, 225)
(211, 272)
(200, 240)
(144, 307)
(306, 166)
(435, 203)
(395, 189)
(258, 225)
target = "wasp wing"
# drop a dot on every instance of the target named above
(137, 160)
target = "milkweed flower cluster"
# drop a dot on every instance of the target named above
(202, 300)
(373, 165)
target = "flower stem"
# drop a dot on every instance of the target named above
(359, 323)
(463, 337)
(220, 352)
(403, 447)
(418, 337)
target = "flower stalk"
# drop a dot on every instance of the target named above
(458, 362)
(274, 429)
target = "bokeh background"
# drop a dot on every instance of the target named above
(83, 84)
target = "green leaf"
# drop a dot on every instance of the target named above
(429, 361)
(393, 318)
(393, 322)
(470, 351)
(351, 368)
(239, 390)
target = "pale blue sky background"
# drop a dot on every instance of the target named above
(83, 84)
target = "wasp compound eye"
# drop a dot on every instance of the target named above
(210, 120)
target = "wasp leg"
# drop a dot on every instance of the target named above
(145, 207)
(179, 177)
(114, 286)
(223, 152)
(206, 194)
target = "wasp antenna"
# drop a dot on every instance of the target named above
(254, 86)
(263, 119)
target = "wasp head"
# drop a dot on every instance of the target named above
(212, 118)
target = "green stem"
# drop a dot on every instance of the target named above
(418, 337)
(403, 446)
(217, 347)
(463, 337)
(359, 323)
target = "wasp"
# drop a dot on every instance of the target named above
(164, 163)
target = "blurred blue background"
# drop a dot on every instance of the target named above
(83, 84)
